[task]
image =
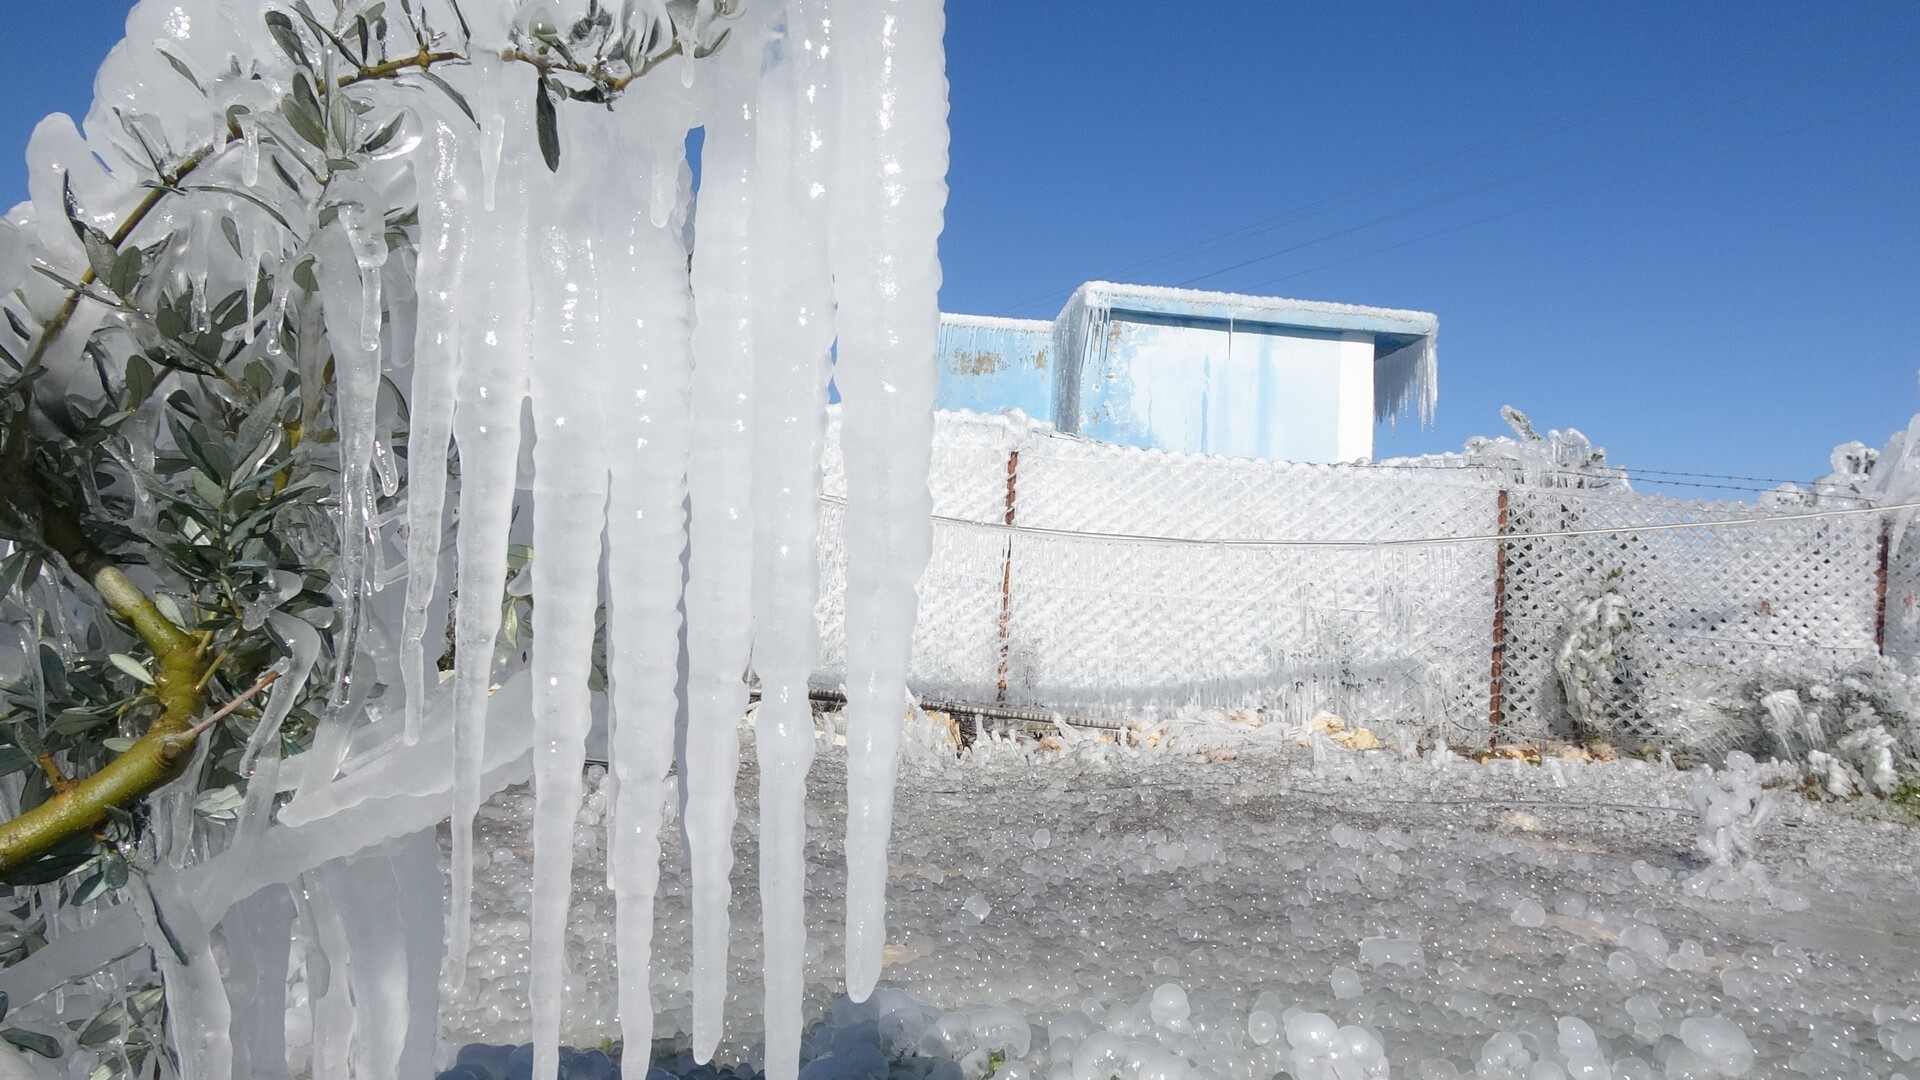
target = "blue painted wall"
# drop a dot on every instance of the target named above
(990, 365)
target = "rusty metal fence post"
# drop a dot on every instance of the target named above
(1880, 590)
(1499, 614)
(1006, 578)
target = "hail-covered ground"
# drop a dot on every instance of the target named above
(1226, 902)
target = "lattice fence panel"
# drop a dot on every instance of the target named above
(1705, 598)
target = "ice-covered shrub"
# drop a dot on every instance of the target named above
(1854, 731)
(1589, 655)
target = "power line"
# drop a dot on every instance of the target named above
(1576, 193)
(1422, 541)
(1758, 97)
(1468, 155)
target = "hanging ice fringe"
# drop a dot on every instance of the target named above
(671, 399)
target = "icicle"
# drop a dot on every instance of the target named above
(647, 308)
(350, 294)
(720, 565)
(438, 281)
(329, 975)
(486, 426)
(199, 1013)
(260, 761)
(255, 932)
(887, 211)
(250, 151)
(250, 258)
(493, 127)
(793, 329)
(567, 372)
(365, 897)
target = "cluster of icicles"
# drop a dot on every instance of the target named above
(677, 409)
(654, 386)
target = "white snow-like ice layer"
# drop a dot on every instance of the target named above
(593, 388)
(1180, 911)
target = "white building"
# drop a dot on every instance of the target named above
(1199, 372)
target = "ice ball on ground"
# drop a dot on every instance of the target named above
(1158, 1064)
(1901, 1038)
(1359, 1053)
(1632, 1068)
(1346, 984)
(1311, 1032)
(999, 1027)
(1528, 913)
(1014, 1070)
(1401, 952)
(1099, 1056)
(1646, 940)
(1503, 1053)
(1170, 1004)
(1585, 1067)
(1042, 838)
(1545, 1070)
(1576, 1038)
(1262, 1026)
(977, 906)
(1719, 1042)
(1688, 957)
(1684, 1064)
(1621, 965)
(1437, 1069)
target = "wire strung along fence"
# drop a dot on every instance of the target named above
(1106, 581)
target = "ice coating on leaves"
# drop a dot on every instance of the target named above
(565, 298)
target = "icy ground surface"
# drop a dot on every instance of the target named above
(1168, 912)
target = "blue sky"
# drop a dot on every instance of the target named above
(1689, 230)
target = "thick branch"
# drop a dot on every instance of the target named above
(156, 756)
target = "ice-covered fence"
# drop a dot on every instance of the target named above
(1708, 594)
(1136, 579)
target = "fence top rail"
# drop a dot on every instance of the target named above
(1417, 541)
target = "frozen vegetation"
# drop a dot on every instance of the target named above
(1227, 902)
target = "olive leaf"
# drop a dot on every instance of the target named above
(548, 124)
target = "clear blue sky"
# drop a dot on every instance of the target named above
(1690, 230)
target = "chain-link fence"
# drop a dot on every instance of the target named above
(1101, 579)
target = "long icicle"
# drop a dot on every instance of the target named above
(486, 425)
(568, 369)
(720, 531)
(444, 197)
(793, 330)
(647, 310)
(888, 208)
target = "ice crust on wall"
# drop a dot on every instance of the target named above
(554, 318)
